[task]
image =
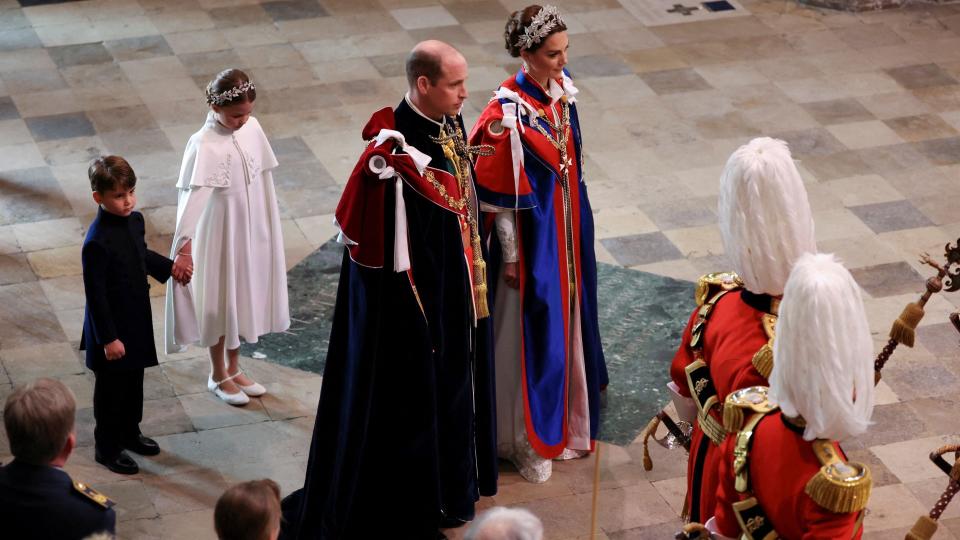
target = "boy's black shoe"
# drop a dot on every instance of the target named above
(145, 446)
(120, 464)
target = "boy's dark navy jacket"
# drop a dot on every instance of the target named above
(39, 502)
(116, 262)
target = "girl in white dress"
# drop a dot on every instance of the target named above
(228, 232)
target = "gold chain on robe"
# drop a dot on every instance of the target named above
(454, 148)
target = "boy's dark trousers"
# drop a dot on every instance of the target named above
(117, 409)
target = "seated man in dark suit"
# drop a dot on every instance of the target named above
(37, 498)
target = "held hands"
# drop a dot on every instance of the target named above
(114, 350)
(511, 274)
(182, 268)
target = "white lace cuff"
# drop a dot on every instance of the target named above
(507, 234)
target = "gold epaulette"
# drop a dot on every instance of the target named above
(710, 284)
(93, 494)
(840, 486)
(754, 398)
(763, 359)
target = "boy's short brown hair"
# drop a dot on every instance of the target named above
(38, 417)
(248, 511)
(109, 173)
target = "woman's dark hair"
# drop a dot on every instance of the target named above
(520, 21)
(227, 80)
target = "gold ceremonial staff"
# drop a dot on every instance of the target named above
(926, 525)
(904, 328)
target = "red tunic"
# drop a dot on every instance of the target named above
(734, 333)
(781, 463)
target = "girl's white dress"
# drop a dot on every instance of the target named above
(228, 207)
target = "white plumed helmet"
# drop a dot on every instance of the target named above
(765, 218)
(823, 352)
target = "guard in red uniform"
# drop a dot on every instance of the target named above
(784, 474)
(766, 224)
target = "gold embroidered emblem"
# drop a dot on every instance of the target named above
(754, 523)
(701, 384)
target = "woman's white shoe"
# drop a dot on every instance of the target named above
(253, 390)
(236, 399)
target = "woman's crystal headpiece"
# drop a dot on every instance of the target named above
(230, 94)
(540, 27)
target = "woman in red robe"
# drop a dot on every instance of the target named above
(549, 360)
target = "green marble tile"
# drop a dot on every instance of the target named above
(641, 318)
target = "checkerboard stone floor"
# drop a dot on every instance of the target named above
(870, 104)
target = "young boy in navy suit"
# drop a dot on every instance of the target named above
(118, 324)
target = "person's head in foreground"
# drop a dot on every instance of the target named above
(764, 216)
(39, 419)
(823, 354)
(501, 523)
(249, 511)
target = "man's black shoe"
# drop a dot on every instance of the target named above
(145, 446)
(120, 464)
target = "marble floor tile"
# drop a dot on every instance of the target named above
(15, 131)
(940, 98)
(923, 127)
(641, 248)
(891, 507)
(686, 213)
(856, 135)
(30, 194)
(940, 339)
(697, 242)
(864, 251)
(138, 48)
(33, 80)
(48, 234)
(838, 111)
(50, 360)
(285, 10)
(674, 81)
(73, 55)
(658, 59)
(811, 144)
(8, 110)
(907, 459)
(228, 17)
(60, 126)
(921, 76)
(944, 151)
(894, 105)
(891, 216)
(14, 268)
(888, 279)
(622, 221)
(869, 36)
(423, 17)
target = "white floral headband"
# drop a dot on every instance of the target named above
(230, 94)
(540, 27)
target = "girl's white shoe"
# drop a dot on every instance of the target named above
(235, 399)
(254, 390)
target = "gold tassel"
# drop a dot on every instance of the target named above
(732, 418)
(923, 529)
(840, 496)
(763, 360)
(903, 330)
(647, 433)
(480, 285)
